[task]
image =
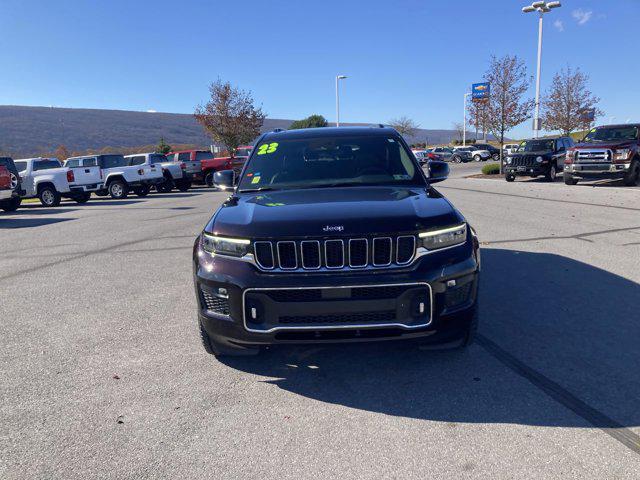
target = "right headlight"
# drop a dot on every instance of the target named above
(233, 247)
(445, 237)
(509, 160)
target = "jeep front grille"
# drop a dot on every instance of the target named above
(524, 161)
(336, 253)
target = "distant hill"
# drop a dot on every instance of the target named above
(32, 131)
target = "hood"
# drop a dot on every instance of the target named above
(539, 153)
(349, 211)
(606, 145)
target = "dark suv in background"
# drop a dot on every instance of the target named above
(538, 157)
(335, 235)
(11, 191)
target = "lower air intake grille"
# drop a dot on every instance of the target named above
(214, 303)
(344, 318)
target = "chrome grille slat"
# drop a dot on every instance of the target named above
(326, 254)
(335, 253)
(378, 241)
(353, 252)
(305, 264)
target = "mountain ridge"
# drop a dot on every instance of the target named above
(31, 130)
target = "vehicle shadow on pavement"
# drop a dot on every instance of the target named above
(29, 222)
(99, 202)
(37, 210)
(574, 324)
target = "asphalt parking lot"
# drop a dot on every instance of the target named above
(105, 377)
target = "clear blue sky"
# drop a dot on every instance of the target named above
(403, 57)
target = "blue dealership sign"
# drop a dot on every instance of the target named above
(480, 91)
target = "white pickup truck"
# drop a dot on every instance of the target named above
(119, 177)
(48, 180)
(172, 173)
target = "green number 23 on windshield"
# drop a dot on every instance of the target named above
(267, 148)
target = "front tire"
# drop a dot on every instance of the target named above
(496, 156)
(166, 186)
(477, 158)
(569, 180)
(143, 191)
(550, 176)
(631, 178)
(49, 197)
(118, 190)
(457, 159)
(183, 186)
(11, 205)
(82, 197)
(509, 177)
(208, 179)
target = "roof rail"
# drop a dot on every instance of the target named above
(377, 125)
(278, 130)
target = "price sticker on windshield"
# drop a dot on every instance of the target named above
(266, 148)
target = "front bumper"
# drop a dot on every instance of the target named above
(527, 171)
(598, 171)
(445, 282)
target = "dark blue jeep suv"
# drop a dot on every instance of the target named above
(335, 235)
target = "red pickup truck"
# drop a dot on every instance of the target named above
(236, 162)
(607, 152)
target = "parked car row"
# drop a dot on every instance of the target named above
(606, 152)
(116, 175)
(478, 152)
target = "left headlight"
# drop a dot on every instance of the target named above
(621, 154)
(445, 237)
(539, 159)
(234, 247)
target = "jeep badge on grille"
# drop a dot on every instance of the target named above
(333, 228)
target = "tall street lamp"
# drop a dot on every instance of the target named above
(464, 120)
(541, 7)
(338, 78)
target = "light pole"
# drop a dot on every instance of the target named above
(541, 7)
(338, 78)
(464, 120)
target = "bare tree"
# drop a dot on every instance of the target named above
(566, 100)
(459, 128)
(62, 153)
(506, 108)
(405, 126)
(230, 116)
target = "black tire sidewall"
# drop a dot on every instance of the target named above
(124, 190)
(54, 192)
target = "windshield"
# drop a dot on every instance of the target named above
(112, 161)
(536, 146)
(330, 162)
(21, 166)
(203, 156)
(243, 152)
(157, 158)
(612, 134)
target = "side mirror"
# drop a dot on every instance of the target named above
(224, 179)
(438, 171)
